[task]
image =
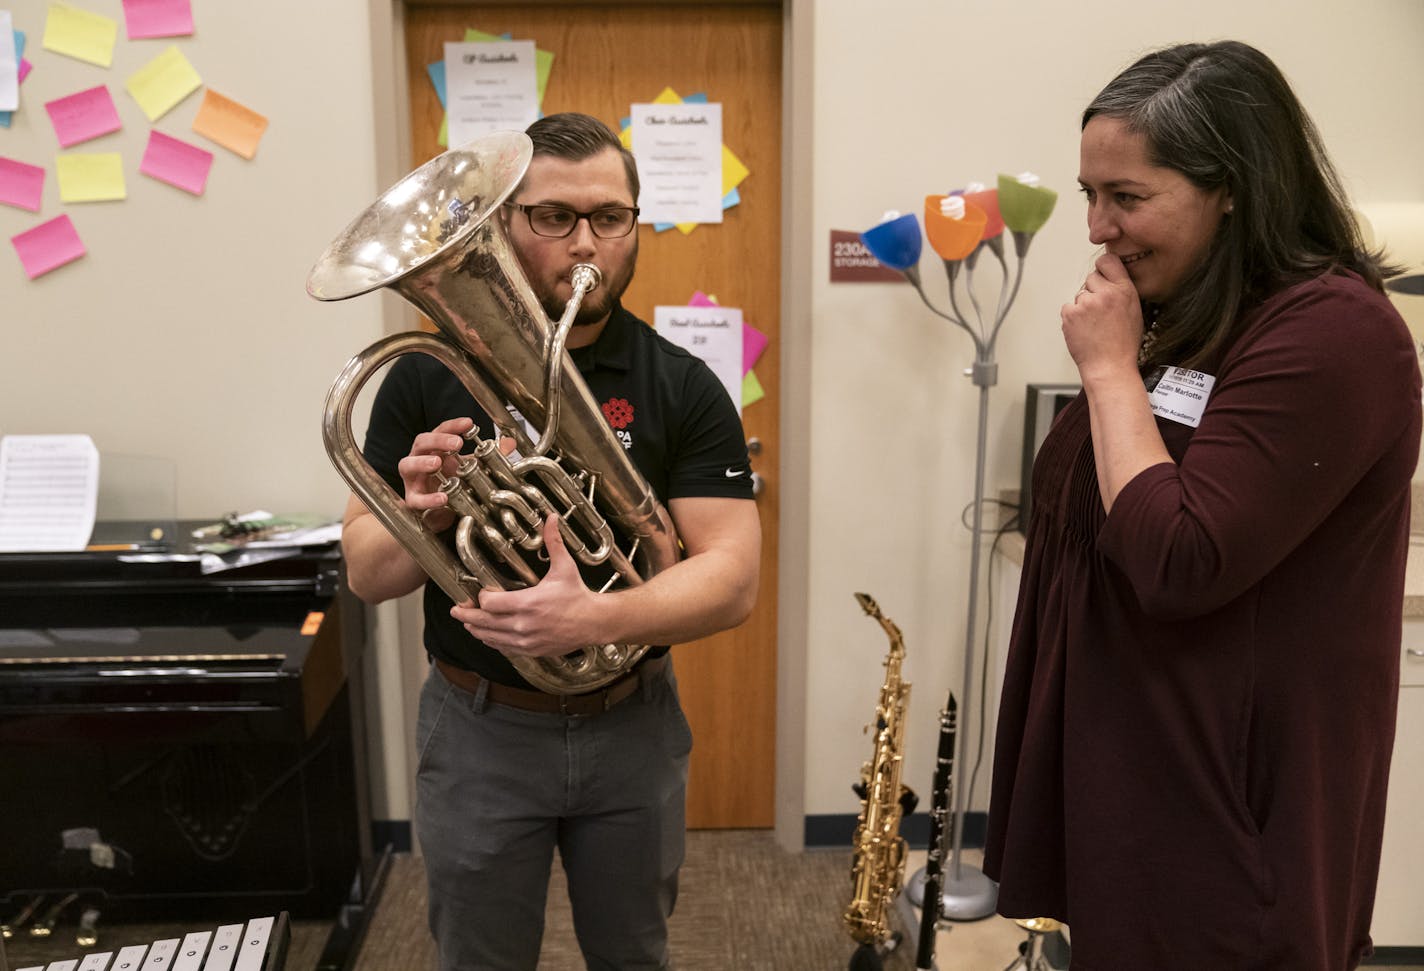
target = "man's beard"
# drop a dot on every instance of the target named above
(597, 303)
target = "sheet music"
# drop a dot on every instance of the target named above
(49, 488)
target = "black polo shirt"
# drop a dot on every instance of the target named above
(664, 404)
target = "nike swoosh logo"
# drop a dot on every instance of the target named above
(733, 473)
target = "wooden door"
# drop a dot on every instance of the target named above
(606, 58)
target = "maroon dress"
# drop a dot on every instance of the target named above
(1199, 703)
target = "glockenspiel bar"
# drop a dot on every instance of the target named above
(225, 944)
(260, 945)
(254, 944)
(129, 958)
(160, 955)
(191, 951)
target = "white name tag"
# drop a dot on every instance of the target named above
(1179, 394)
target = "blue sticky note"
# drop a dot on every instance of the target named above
(437, 78)
(695, 99)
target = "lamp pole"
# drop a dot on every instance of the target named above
(958, 229)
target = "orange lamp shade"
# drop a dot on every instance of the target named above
(953, 239)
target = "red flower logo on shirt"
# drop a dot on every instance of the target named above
(618, 412)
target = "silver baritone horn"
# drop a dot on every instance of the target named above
(436, 239)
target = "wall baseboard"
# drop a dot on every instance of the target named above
(838, 830)
(1386, 956)
(395, 833)
(832, 830)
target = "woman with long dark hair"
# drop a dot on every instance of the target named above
(1199, 703)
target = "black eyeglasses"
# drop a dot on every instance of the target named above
(556, 222)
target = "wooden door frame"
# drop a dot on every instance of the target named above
(390, 98)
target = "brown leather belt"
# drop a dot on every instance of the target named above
(592, 703)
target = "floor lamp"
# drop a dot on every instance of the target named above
(959, 226)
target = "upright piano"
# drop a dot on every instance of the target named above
(181, 745)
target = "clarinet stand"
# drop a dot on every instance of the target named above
(958, 228)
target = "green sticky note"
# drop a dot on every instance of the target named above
(752, 390)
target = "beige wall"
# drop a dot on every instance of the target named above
(186, 334)
(922, 96)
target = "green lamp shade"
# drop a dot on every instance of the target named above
(1025, 208)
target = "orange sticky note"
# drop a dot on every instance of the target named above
(235, 127)
(313, 623)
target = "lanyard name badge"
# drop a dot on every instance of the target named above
(1179, 394)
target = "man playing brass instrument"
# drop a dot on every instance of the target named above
(505, 772)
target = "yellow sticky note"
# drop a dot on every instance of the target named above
(752, 391)
(667, 96)
(733, 171)
(233, 126)
(90, 177)
(80, 34)
(163, 82)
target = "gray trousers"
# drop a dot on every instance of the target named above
(498, 788)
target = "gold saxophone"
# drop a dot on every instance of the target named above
(878, 870)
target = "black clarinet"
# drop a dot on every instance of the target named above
(939, 827)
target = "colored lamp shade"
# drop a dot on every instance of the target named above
(988, 200)
(1025, 208)
(895, 242)
(953, 239)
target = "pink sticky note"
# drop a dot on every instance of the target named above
(25, 68)
(82, 116)
(753, 340)
(21, 184)
(158, 18)
(753, 343)
(48, 246)
(176, 162)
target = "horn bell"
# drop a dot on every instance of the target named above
(436, 238)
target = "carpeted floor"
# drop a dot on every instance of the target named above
(743, 904)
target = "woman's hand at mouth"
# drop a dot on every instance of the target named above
(1102, 325)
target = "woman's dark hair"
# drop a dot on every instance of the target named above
(1224, 116)
(574, 137)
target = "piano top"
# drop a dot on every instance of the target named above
(98, 589)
